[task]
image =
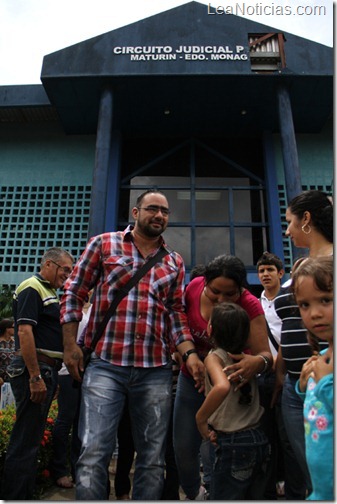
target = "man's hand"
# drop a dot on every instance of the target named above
(72, 353)
(38, 391)
(197, 369)
(73, 359)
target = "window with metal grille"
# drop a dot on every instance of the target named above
(35, 218)
(267, 51)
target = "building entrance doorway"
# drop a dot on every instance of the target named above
(215, 190)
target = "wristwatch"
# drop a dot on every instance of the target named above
(189, 352)
(35, 379)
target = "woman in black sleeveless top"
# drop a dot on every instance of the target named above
(310, 225)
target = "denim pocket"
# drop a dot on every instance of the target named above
(16, 368)
(243, 463)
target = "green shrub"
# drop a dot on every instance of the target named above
(7, 419)
(6, 301)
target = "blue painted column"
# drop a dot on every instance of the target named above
(102, 164)
(289, 150)
(289, 147)
(113, 187)
(273, 205)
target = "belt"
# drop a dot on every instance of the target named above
(54, 363)
(255, 426)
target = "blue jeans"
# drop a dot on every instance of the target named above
(241, 460)
(187, 439)
(126, 453)
(22, 452)
(104, 390)
(292, 410)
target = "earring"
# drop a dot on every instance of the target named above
(308, 230)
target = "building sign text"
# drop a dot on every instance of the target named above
(184, 52)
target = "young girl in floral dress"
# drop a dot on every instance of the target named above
(313, 289)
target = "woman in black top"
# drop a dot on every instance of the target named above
(310, 225)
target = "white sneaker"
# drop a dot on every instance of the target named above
(201, 495)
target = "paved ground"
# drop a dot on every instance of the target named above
(68, 494)
(56, 493)
(60, 494)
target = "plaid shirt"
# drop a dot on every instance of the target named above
(152, 313)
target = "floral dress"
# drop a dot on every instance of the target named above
(319, 435)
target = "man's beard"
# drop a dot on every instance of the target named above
(149, 231)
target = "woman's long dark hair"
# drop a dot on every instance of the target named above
(226, 266)
(319, 205)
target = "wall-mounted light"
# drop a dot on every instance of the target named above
(167, 111)
(243, 112)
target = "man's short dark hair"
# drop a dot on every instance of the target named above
(148, 191)
(267, 259)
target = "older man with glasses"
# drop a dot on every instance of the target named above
(33, 371)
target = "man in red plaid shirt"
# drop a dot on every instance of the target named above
(132, 358)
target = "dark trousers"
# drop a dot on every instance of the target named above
(283, 463)
(68, 401)
(22, 454)
(269, 425)
(171, 482)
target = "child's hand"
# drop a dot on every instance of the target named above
(207, 432)
(203, 429)
(322, 366)
(307, 369)
(203, 426)
(212, 435)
